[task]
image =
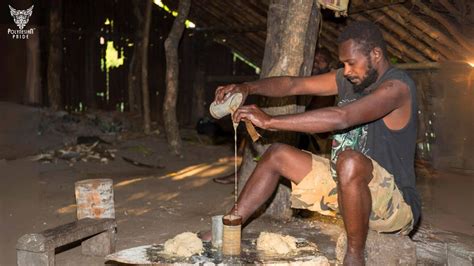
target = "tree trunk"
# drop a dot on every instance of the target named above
(291, 37)
(199, 85)
(144, 68)
(55, 55)
(134, 96)
(90, 64)
(33, 76)
(172, 75)
(199, 91)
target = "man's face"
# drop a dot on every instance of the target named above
(320, 64)
(358, 68)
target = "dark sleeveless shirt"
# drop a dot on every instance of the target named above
(394, 150)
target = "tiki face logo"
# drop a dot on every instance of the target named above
(21, 17)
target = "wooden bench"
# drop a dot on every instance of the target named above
(98, 237)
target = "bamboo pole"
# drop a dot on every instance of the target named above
(404, 34)
(428, 29)
(444, 50)
(447, 24)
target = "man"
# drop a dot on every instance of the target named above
(322, 60)
(370, 177)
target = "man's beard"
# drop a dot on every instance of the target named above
(369, 79)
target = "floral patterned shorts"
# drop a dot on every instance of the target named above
(318, 192)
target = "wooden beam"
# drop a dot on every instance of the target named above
(460, 17)
(424, 65)
(447, 24)
(428, 29)
(404, 34)
(364, 6)
(444, 50)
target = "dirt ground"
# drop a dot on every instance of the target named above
(153, 205)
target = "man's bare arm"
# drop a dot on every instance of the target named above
(387, 98)
(322, 85)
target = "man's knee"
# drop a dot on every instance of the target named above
(353, 166)
(276, 153)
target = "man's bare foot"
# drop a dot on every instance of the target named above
(205, 236)
(354, 260)
(228, 179)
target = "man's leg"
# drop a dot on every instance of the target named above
(354, 172)
(278, 160)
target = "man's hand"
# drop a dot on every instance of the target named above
(224, 92)
(253, 114)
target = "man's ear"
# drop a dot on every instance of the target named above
(377, 54)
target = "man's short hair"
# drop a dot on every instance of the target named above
(366, 34)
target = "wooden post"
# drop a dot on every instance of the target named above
(95, 198)
(33, 76)
(134, 94)
(55, 55)
(144, 69)
(199, 84)
(172, 74)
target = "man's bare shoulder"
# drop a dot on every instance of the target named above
(393, 88)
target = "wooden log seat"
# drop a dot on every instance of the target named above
(97, 235)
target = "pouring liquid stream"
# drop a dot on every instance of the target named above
(235, 163)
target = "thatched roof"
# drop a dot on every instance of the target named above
(416, 31)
